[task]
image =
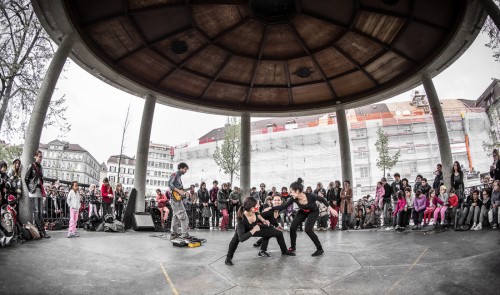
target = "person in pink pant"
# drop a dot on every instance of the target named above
(441, 203)
(73, 201)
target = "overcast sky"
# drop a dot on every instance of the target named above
(97, 111)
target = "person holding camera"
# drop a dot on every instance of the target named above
(36, 191)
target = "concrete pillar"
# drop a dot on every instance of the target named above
(345, 145)
(245, 156)
(492, 10)
(441, 129)
(37, 118)
(141, 159)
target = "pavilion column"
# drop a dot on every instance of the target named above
(37, 118)
(245, 155)
(440, 125)
(345, 145)
(492, 10)
(141, 159)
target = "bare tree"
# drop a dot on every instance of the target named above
(26, 51)
(122, 147)
(227, 157)
(493, 33)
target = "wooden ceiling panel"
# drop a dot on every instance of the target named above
(295, 65)
(314, 32)
(214, 19)
(269, 96)
(401, 7)
(249, 37)
(193, 39)
(141, 4)
(339, 11)
(146, 65)
(387, 67)
(209, 61)
(352, 83)
(441, 14)
(310, 94)
(238, 69)
(419, 40)
(92, 10)
(185, 83)
(380, 26)
(271, 73)
(116, 37)
(281, 44)
(333, 62)
(359, 48)
(227, 93)
(157, 23)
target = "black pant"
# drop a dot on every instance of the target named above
(418, 216)
(119, 211)
(311, 217)
(106, 209)
(407, 216)
(400, 218)
(215, 216)
(265, 233)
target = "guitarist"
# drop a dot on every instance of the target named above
(179, 215)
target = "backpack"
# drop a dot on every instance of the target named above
(108, 218)
(35, 234)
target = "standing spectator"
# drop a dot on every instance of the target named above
(119, 201)
(254, 194)
(36, 191)
(204, 198)
(399, 211)
(333, 198)
(346, 206)
(409, 206)
(286, 215)
(74, 208)
(441, 207)
(161, 203)
(4, 179)
(273, 192)
(262, 195)
(223, 200)
(387, 201)
(495, 167)
(214, 204)
(53, 208)
(16, 185)
(425, 187)
(495, 203)
(107, 197)
(379, 196)
(396, 186)
(405, 184)
(320, 191)
(485, 208)
(457, 179)
(93, 201)
(418, 183)
(438, 179)
(234, 204)
(419, 206)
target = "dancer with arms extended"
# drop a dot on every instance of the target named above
(247, 226)
(308, 209)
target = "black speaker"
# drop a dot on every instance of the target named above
(128, 215)
(143, 222)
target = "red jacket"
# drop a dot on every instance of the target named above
(453, 201)
(107, 194)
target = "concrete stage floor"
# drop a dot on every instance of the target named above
(355, 262)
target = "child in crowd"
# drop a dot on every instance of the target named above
(409, 205)
(419, 207)
(379, 193)
(323, 216)
(399, 211)
(485, 208)
(74, 207)
(359, 214)
(441, 206)
(452, 207)
(431, 206)
(369, 221)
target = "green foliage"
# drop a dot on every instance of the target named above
(9, 153)
(492, 143)
(227, 157)
(384, 160)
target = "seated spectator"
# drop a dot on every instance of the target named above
(452, 206)
(495, 202)
(9, 220)
(369, 221)
(431, 206)
(359, 214)
(309, 190)
(268, 203)
(323, 216)
(419, 207)
(441, 206)
(474, 209)
(485, 208)
(399, 211)
(409, 206)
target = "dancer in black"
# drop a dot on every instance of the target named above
(308, 210)
(273, 216)
(247, 226)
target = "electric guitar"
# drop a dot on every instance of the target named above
(177, 196)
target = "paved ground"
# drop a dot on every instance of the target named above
(355, 262)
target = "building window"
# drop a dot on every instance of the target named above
(362, 155)
(360, 133)
(363, 172)
(413, 167)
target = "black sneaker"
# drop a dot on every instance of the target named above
(415, 227)
(318, 253)
(228, 262)
(256, 244)
(288, 253)
(264, 254)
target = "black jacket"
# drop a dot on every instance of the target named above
(332, 195)
(203, 196)
(438, 181)
(495, 173)
(457, 185)
(33, 178)
(388, 193)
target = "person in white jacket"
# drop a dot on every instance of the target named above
(74, 208)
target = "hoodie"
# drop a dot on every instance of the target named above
(400, 206)
(419, 204)
(73, 200)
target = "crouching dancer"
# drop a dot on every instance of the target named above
(247, 227)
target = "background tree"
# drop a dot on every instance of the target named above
(492, 143)
(384, 160)
(227, 157)
(493, 33)
(9, 153)
(122, 147)
(26, 51)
